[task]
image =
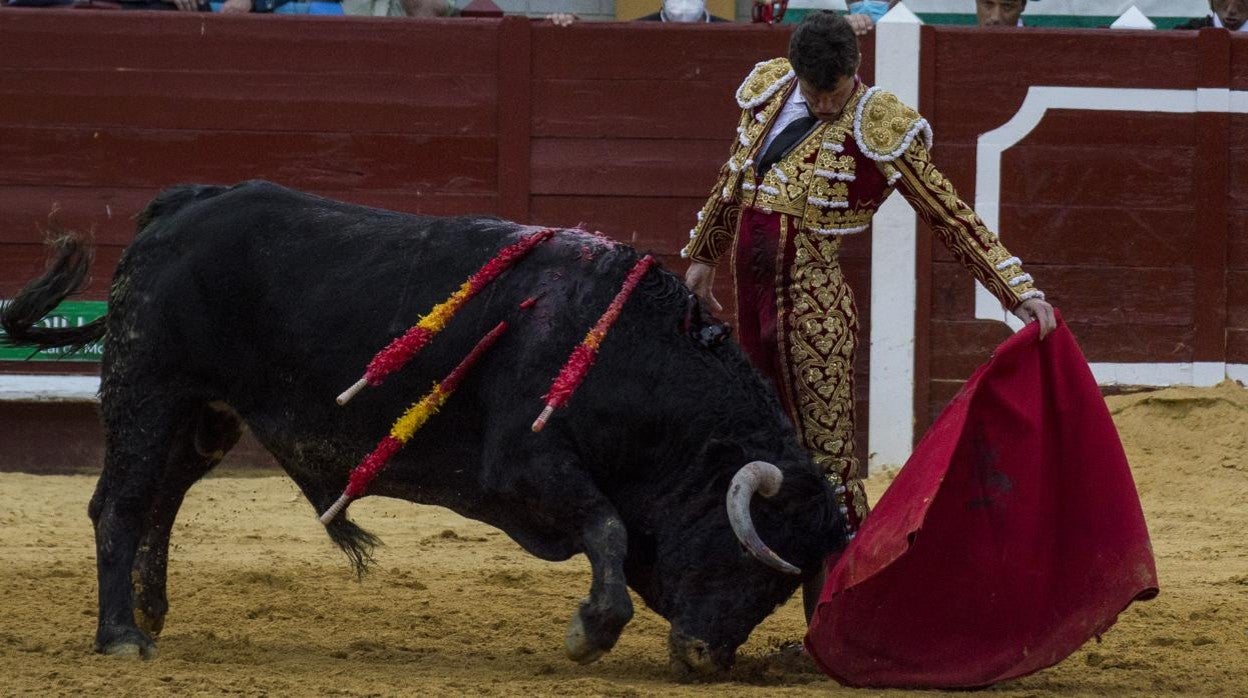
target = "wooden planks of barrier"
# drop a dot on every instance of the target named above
(1135, 222)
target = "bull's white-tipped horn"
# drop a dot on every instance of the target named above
(764, 478)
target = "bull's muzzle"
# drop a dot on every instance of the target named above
(691, 656)
(764, 478)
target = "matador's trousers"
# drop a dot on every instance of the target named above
(797, 322)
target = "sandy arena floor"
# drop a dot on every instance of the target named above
(261, 602)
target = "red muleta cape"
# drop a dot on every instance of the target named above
(1011, 536)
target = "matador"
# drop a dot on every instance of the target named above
(817, 152)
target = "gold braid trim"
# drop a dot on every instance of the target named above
(763, 82)
(716, 228)
(959, 228)
(884, 127)
(818, 335)
(717, 223)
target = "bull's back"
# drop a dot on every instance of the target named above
(275, 300)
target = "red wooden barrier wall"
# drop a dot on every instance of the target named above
(1236, 174)
(1134, 223)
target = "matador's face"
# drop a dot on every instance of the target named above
(827, 105)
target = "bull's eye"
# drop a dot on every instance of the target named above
(712, 335)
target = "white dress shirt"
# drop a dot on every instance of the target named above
(793, 109)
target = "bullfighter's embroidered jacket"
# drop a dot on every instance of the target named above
(835, 179)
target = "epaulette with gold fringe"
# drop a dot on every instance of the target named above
(764, 82)
(884, 127)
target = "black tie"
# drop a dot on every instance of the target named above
(786, 140)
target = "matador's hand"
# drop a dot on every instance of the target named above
(1037, 309)
(700, 279)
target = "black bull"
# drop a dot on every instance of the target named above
(257, 305)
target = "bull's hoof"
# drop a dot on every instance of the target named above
(792, 657)
(150, 624)
(580, 649)
(125, 642)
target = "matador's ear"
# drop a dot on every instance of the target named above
(701, 326)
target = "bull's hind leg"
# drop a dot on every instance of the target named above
(213, 431)
(144, 431)
(560, 495)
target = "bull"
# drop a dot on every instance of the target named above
(255, 305)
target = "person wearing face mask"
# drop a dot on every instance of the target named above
(864, 14)
(1223, 14)
(682, 11)
(669, 11)
(817, 152)
(873, 9)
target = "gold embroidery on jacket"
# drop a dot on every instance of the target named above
(762, 79)
(933, 197)
(814, 169)
(886, 124)
(751, 133)
(716, 226)
(837, 219)
(822, 188)
(786, 191)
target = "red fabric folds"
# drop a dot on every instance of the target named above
(1012, 536)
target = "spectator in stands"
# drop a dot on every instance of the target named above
(1000, 13)
(864, 14)
(1224, 14)
(399, 8)
(669, 11)
(682, 11)
(183, 5)
(226, 7)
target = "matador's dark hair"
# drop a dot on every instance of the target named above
(823, 49)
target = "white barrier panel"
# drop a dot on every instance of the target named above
(30, 388)
(890, 427)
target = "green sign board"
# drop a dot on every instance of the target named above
(67, 314)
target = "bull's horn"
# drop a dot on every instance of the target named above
(764, 478)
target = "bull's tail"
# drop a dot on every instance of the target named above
(357, 543)
(67, 272)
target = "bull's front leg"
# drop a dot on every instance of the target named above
(565, 510)
(601, 618)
